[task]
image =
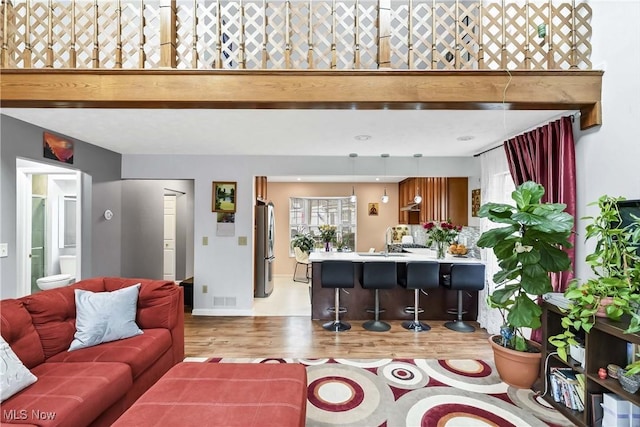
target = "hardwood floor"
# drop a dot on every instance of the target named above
(300, 337)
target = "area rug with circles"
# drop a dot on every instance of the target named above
(414, 392)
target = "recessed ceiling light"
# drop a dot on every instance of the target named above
(299, 179)
(465, 138)
(377, 179)
(362, 137)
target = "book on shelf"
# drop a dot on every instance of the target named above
(632, 352)
(566, 387)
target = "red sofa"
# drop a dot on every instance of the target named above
(95, 385)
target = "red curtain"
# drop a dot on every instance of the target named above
(546, 155)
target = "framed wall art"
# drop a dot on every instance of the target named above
(475, 202)
(57, 148)
(223, 197)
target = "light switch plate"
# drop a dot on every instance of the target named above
(242, 240)
(205, 289)
(4, 250)
(205, 241)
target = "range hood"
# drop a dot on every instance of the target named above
(411, 207)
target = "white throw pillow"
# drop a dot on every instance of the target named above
(105, 316)
(14, 376)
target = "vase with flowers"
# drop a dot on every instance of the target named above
(328, 234)
(442, 234)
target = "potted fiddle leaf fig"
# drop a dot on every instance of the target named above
(528, 247)
(614, 289)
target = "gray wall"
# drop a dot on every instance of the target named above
(101, 239)
(143, 225)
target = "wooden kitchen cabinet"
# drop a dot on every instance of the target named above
(261, 188)
(442, 198)
(458, 200)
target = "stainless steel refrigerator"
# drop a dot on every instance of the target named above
(264, 257)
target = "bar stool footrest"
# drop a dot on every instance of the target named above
(341, 310)
(411, 310)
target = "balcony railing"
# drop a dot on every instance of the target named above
(309, 34)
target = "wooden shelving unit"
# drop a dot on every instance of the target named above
(606, 343)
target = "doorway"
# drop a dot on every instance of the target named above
(49, 225)
(169, 237)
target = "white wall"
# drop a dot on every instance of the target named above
(225, 267)
(608, 157)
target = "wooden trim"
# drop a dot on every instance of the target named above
(168, 20)
(360, 89)
(384, 34)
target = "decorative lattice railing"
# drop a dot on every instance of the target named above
(297, 34)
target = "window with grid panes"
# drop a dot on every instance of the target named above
(307, 214)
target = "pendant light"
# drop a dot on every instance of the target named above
(353, 197)
(385, 198)
(417, 198)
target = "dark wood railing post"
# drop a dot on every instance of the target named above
(168, 34)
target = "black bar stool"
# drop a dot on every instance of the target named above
(337, 275)
(378, 275)
(420, 275)
(463, 277)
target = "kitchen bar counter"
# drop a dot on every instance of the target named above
(409, 255)
(394, 301)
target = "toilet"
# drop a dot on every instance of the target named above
(67, 276)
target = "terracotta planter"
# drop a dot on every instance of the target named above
(604, 302)
(517, 368)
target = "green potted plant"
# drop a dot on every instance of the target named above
(614, 290)
(304, 241)
(528, 247)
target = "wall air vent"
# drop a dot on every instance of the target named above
(224, 301)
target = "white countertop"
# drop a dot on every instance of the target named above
(410, 255)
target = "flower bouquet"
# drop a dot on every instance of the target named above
(327, 234)
(442, 234)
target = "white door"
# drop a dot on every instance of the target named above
(170, 237)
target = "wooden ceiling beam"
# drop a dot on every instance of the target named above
(306, 89)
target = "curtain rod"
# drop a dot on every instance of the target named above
(572, 116)
(487, 150)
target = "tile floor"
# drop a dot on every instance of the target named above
(288, 298)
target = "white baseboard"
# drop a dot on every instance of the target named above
(220, 312)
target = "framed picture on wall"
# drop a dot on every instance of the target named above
(373, 209)
(223, 197)
(57, 148)
(475, 202)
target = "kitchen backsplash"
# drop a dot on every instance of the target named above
(468, 237)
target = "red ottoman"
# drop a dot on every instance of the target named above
(223, 394)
